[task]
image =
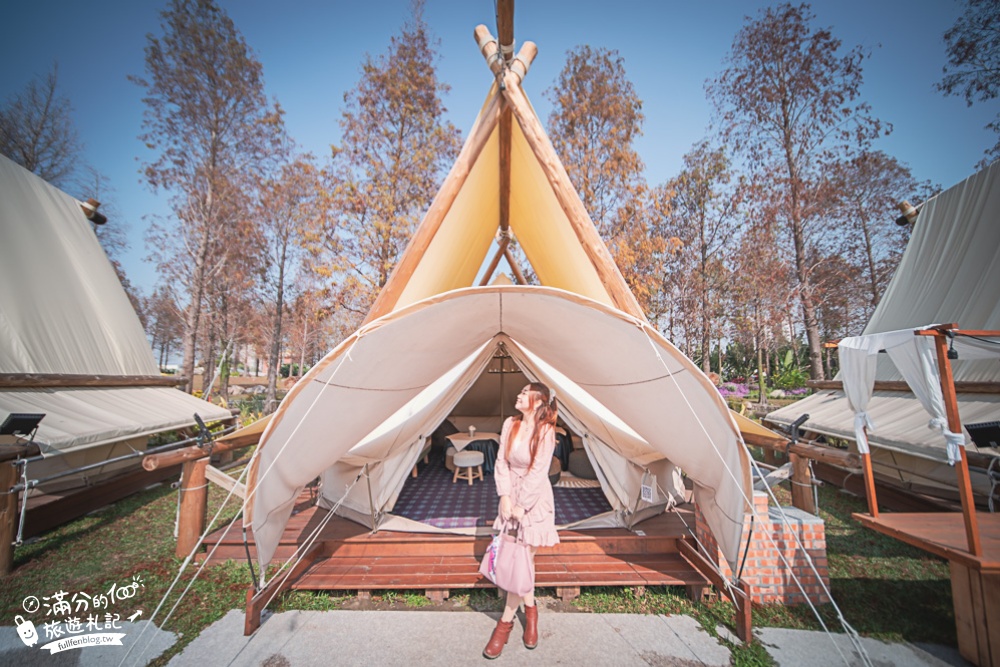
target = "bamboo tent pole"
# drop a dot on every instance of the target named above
(505, 135)
(53, 380)
(900, 385)
(505, 28)
(512, 261)
(501, 249)
(555, 172)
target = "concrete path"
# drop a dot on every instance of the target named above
(13, 652)
(414, 638)
(816, 649)
(441, 638)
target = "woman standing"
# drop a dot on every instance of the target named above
(527, 443)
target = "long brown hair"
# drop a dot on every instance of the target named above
(546, 412)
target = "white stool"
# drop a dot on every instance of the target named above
(449, 457)
(468, 466)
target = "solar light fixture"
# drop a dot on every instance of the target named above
(985, 434)
(21, 423)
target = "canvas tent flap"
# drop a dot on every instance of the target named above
(538, 221)
(622, 362)
(62, 308)
(950, 271)
(544, 231)
(391, 450)
(622, 460)
(619, 455)
(78, 418)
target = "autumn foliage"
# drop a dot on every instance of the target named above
(774, 225)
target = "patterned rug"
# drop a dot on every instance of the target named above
(433, 499)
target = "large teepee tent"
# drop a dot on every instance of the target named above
(365, 412)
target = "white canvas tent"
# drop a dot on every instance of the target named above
(641, 406)
(369, 406)
(950, 273)
(64, 316)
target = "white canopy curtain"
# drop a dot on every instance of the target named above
(915, 358)
(622, 363)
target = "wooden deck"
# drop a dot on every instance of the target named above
(975, 580)
(347, 556)
(942, 534)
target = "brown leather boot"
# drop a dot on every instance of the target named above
(531, 626)
(498, 639)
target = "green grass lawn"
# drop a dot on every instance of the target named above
(885, 588)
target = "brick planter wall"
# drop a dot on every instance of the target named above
(769, 577)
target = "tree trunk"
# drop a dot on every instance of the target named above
(706, 329)
(209, 375)
(801, 269)
(761, 384)
(758, 341)
(196, 290)
(812, 336)
(872, 273)
(274, 365)
(224, 370)
(722, 356)
(192, 318)
(226, 340)
(302, 349)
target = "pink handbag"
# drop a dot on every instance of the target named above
(508, 563)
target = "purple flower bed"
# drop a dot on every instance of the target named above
(801, 391)
(734, 390)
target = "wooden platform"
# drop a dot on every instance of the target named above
(347, 556)
(975, 580)
(942, 534)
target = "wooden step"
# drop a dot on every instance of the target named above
(468, 546)
(451, 572)
(345, 538)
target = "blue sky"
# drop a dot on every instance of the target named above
(312, 51)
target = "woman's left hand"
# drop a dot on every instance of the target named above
(517, 514)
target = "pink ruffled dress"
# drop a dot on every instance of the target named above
(528, 487)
